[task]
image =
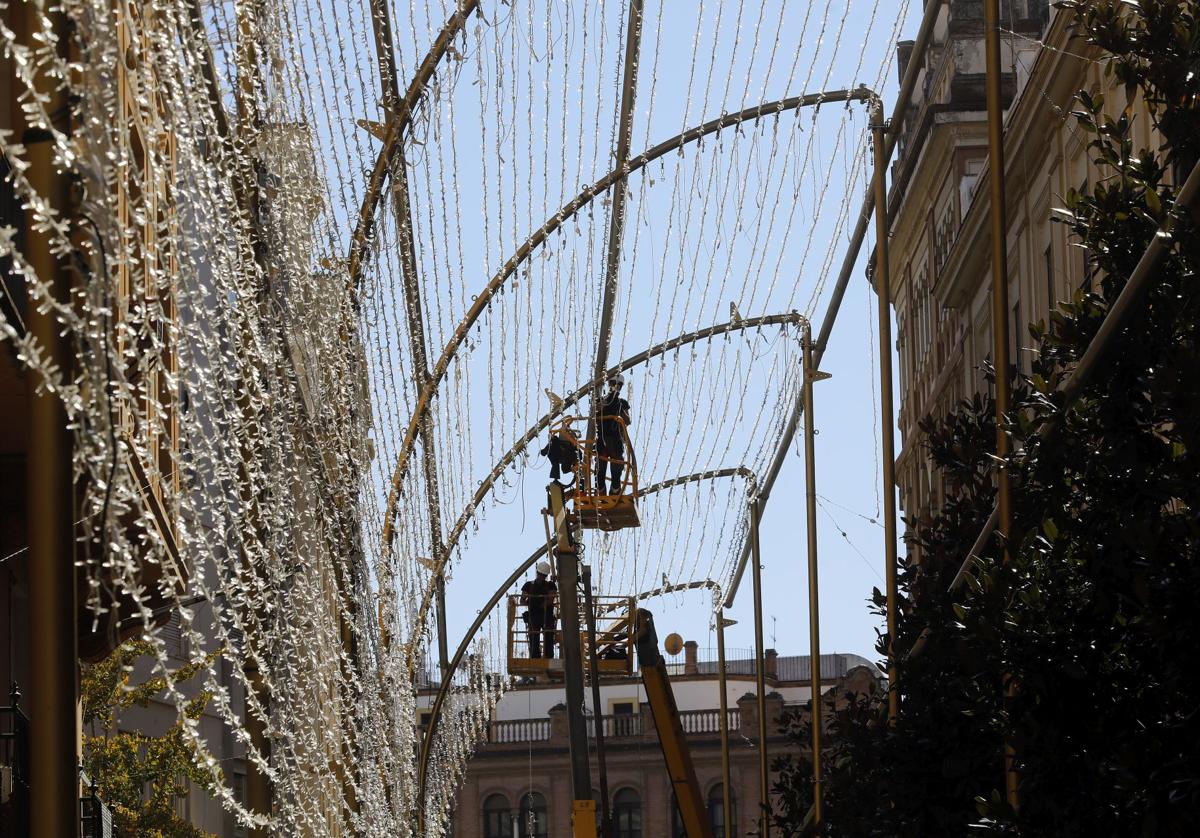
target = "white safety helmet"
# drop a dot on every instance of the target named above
(617, 380)
(543, 568)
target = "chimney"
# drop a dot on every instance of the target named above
(559, 731)
(772, 663)
(690, 666)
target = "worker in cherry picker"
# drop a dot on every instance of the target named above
(539, 596)
(610, 442)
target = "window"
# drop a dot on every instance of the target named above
(627, 814)
(623, 720)
(534, 821)
(497, 817)
(716, 809)
(238, 787)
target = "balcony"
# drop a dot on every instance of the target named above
(616, 727)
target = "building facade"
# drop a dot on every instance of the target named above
(518, 782)
(939, 213)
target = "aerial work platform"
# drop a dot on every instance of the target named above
(614, 618)
(597, 510)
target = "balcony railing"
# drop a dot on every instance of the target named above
(618, 726)
(707, 721)
(519, 730)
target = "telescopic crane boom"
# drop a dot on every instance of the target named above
(671, 739)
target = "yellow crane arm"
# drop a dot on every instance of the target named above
(670, 733)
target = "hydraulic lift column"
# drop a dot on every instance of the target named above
(583, 808)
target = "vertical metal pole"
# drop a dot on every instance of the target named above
(568, 581)
(764, 798)
(567, 559)
(1000, 348)
(883, 289)
(726, 792)
(54, 687)
(382, 25)
(633, 46)
(597, 715)
(443, 649)
(814, 613)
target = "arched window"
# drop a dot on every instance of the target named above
(497, 817)
(627, 814)
(716, 809)
(534, 822)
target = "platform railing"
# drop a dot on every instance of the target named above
(614, 649)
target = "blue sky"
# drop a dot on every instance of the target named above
(847, 418)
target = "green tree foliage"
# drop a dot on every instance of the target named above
(139, 776)
(1095, 615)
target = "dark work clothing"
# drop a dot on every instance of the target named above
(541, 635)
(615, 468)
(563, 456)
(610, 443)
(609, 439)
(538, 597)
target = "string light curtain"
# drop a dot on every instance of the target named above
(240, 399)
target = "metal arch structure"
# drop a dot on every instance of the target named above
(439, 700)
(891, 135)
(634, 360)
(397, 124)
(674, 589)
(400, 115)
(539, 236)
(486, 486)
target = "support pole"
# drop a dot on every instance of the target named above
(883, 290)
(633, 46)
(1000, 348)
(726, 792)
(597, 716)
(764, 798)
(583, 809)
(814, 613)
(54, 685)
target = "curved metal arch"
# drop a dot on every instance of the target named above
(393, 136)
(634, 360)
(510, 456)
(435, 711)
(674, 589)
(425, 398)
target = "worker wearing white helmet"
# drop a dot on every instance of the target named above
(539, 597)
(610, 442)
